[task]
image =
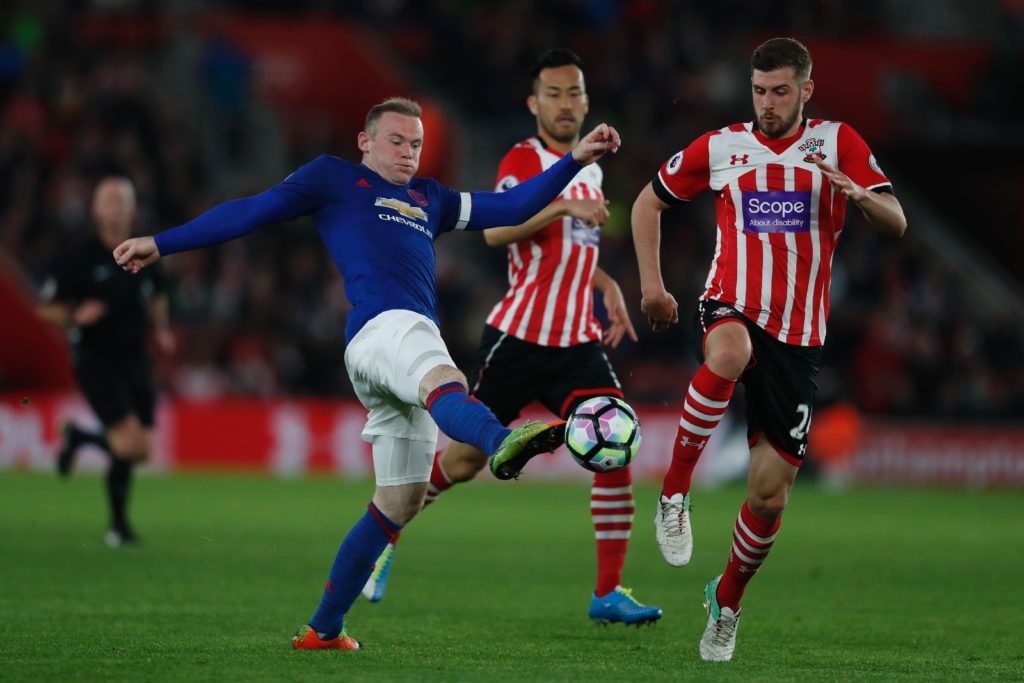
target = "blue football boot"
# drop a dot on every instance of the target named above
(620, 606)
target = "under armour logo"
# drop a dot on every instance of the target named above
(685, 442)
(739, 159)
(803, 449)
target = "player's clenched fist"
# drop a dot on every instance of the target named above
(135, 254)
(602, 139)
(661, 310)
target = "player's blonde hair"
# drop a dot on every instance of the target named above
(398, 105)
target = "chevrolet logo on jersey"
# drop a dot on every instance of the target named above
(407, 210)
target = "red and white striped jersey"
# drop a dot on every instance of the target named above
(779, 220)
(550, 298)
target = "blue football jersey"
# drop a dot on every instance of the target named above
(381, 236)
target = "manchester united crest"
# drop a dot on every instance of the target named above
(418, 197)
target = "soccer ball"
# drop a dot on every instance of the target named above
(603, 434)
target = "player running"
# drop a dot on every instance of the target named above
(379, 223)
(782, 185)
(107, 313)
(542, 341)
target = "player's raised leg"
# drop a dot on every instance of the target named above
(464, 418)
(727, 352)
(770, 481)
(524, 443)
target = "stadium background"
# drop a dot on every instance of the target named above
(202, 102)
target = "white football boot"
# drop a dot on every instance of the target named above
(719, 639)
(672, 529)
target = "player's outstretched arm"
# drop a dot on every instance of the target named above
(300, 193)
(228, 221)
(657, 304)
(493, 209)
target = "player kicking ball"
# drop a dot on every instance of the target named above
(542, 341)
(379, 223)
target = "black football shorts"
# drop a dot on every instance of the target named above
(117, 388)
(510, 373)
(780, 381)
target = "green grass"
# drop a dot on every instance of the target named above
(493, 584)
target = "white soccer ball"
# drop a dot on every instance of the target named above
(603, 434)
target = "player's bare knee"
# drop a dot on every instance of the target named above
(439, 376)
(769, 506)
(400, 503)
(138, 446)
(403, 514)
(730, 360)
(128, 440)
(728, 350)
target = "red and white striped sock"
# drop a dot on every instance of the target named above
(611, 509)
(703, 408)
(439, 481)
(752, 538)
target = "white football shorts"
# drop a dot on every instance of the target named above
(386, 361)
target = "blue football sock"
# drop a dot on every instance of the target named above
(464, 418)
(352, 567)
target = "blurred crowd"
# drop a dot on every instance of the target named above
(265, 315)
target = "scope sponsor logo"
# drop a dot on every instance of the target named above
(767, 212)
(584, 235)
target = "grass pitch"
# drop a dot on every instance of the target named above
(492, 584)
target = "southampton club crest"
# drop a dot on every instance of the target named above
(811, 148)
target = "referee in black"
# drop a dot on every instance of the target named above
(107, 313)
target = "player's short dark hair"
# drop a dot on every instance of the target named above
(778, 53)
(398, 105)
(555, 57)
